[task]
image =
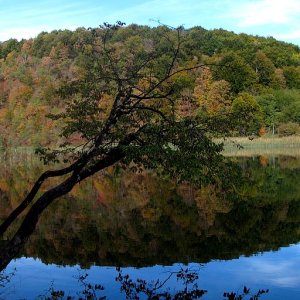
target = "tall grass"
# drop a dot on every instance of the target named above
(243, 146)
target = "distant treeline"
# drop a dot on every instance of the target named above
(255, 79)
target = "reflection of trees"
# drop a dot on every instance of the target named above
(139, 219)
(186, 278)
(187, 288)
(5, 279)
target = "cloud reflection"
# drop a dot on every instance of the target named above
(278, 268)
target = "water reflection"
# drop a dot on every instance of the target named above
(122, 218)
(129, 219)
(158, 282)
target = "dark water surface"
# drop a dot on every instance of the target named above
(153, 228)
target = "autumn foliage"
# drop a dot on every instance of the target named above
(32, 71)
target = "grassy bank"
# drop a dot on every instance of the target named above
(234, 146)
(243, 146)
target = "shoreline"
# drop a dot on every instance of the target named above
(233, 146)
(269, 146)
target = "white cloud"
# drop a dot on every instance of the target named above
(266, 12)
(295, 34)
(278, 273)
(19, 33)
(288, 281)
(268, 267)
(27, 32)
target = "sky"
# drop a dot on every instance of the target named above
(278, 18)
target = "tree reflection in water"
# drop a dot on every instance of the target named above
(187, 288)
(139, 220)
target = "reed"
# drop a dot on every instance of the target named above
(243, 146)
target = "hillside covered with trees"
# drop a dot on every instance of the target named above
(251, 80)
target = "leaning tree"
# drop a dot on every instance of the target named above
(124, 105)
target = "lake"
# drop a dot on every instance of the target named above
(167, 237)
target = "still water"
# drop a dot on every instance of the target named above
(172, 236)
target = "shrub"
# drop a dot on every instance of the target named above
(288, 129)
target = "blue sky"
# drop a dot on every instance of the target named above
(277, 18)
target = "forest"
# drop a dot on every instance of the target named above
(147, 109)
(252, 81)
